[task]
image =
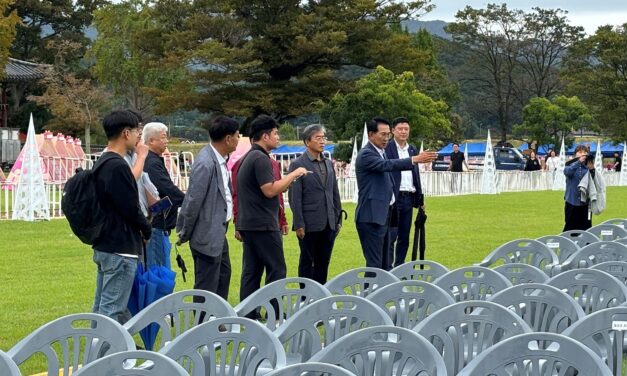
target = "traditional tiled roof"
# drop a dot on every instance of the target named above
(19, 71)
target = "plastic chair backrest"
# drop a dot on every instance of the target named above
(580, 237)
(606, 231)
(616, 221)
(226, 346)
(545, 308)
(592, 289)
(8, 366)
(537, 354)
(74, 339)
(282, 299)
(621, 241)
(411, 301)
(522, 273)
(178, 312)
(473, 283)
(524, 251)
(463, 330)
(420, 270)
(311, 368)
(360, 281)
(592, 254)
(562, 246)
(118, 364)
(603, 332)
(618, 269)
(384, 351)
(325, 321)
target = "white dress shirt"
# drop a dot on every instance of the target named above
(226, 177)
(407, 178)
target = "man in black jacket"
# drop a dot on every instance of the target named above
(158, 248)
(315, 203)
(116, 251)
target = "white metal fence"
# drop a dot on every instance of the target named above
(434, 183)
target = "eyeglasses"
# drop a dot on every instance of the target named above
(386, 135)
(320, 138)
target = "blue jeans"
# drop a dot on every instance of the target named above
(158, 249)
(114, 280)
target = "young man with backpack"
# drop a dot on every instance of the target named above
(125, 228)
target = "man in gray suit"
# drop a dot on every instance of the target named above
(315, 203)
(208, 208)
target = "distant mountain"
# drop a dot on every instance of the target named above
(435, 27)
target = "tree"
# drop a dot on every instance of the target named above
(128, 54)
(46, 20)
(8, 21)
(492, 36)
(382, 93)
(547, 36)
(512, 56)
(547, 121)
(596, 70)
(287, 132)
(76, 104)
(281, 56)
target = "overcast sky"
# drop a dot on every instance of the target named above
(587, 13)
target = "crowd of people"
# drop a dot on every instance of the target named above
(142, 206)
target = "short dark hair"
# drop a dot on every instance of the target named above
(373, 124)
(455, 143)
(137, 115)
(399, 120)
(310, 130)
(263, 124)
(581, 147)
(221, 127)
(115, 122)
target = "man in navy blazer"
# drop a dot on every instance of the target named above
(407, 190)
(315, 203)
(376, 191)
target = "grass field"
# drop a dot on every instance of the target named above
(46, 272)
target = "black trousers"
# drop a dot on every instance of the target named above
(576, 217)
(315, 254)
(263, 250)
(213, 273)
(399, 234)
(375, 243)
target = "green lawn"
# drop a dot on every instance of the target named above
(46, 272)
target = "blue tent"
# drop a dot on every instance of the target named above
(475, 149)
(298, 149)
(607, 148)
(542, 150)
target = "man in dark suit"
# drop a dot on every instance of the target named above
(376, 191)
(208, 209)
(315, 203)
(407, 190)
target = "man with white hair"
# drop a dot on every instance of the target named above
(157, 249)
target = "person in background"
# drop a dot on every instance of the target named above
(258, 207)
(576, 213)
(208, 208)
(158, 248)
(407, 190)
(552, 161)
(618, 162)
(315, 203)
(457, 160)
(533, 163)
(116, 252)
(376, 192)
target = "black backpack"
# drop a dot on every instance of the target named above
(81, 206)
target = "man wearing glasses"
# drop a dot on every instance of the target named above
(315, 203)
(376, 191)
